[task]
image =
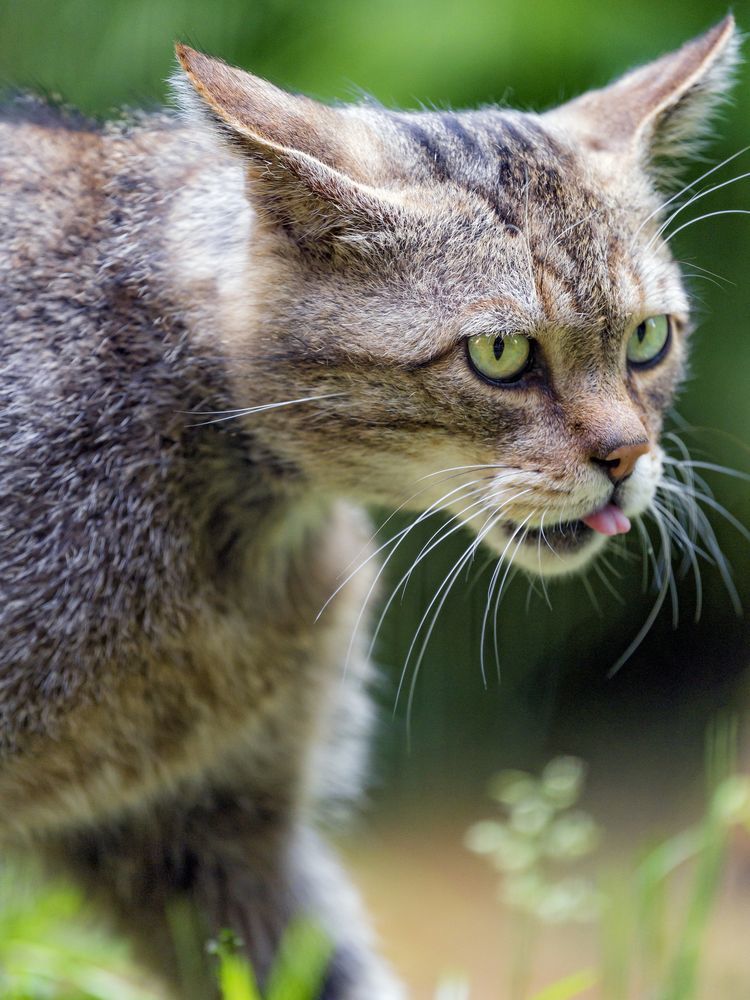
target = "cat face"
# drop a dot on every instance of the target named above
(479, 305)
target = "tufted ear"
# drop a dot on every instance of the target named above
(314, 168)
(660, 111)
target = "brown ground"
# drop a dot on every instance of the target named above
(436, 911)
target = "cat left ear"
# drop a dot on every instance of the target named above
(313, 168)
(660, 111)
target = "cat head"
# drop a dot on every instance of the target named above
(479, 307)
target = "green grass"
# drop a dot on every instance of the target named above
(297, 975)
(49, 950)
(540, 837)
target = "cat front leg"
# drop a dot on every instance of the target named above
(173, 879)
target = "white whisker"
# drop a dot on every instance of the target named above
(607, 583)
(447, 531)
(248, 410)
(708, 215)
(441, 595)
(592, 596)
(681, 192)
(490, 590)
(664, 588)
(691, 201)
(381, 569)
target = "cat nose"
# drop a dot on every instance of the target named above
(620, 463)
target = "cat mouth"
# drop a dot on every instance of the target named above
(572, 536)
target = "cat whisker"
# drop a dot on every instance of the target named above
(708, 499)
(461, 468)
(408, 500)
(690, 549)
(507, 576)
(481, 534)
(702, 277)
(461, 521)
(646, 554)
(674, 506)
(686, 497)
(607, 583)
(618, 549)
(490, 591)
(434, 508)
(456, 470)
(531, 591)
(686, 472)
(541, 536)
(665, 581)
(684, 493)
(691, 201)
(429, 546)
(723, 470)
(592, 596)
(441, 595)
(247, 411)
(708, 215)
(687, 187)
(696, 429)
(381, 569)
(446, 586)
(610, 568)
(705, 270)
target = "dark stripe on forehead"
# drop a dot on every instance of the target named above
(429, 146)
(548, 143)
(510, 130)
(464, 139)
(478, 164)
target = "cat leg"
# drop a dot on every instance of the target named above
(173, 880)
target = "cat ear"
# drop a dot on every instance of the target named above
(313, 167)
(660, 111)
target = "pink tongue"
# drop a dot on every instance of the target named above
(610, 520)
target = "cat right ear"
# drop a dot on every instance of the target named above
(659, 112)
(313, 167)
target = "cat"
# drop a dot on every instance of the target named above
(224, 333)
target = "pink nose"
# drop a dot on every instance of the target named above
(620, 462)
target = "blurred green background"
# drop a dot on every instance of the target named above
(554, 692)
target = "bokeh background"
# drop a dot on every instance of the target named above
(641, 731)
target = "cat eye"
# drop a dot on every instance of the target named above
(499, 358)
(649, 341)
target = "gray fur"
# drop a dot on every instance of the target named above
(173, 715)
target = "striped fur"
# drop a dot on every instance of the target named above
(224, 332)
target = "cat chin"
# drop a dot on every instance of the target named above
(569, 553)
(566, 549)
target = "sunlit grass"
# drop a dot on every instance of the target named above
(50, 951)
(297, 975)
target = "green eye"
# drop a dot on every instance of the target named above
(498, 358)
(649, 342)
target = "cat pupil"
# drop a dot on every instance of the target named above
(641, 331)
(498, 347)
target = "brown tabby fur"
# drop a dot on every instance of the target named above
(172, 715)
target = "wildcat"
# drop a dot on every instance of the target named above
(223, 333)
